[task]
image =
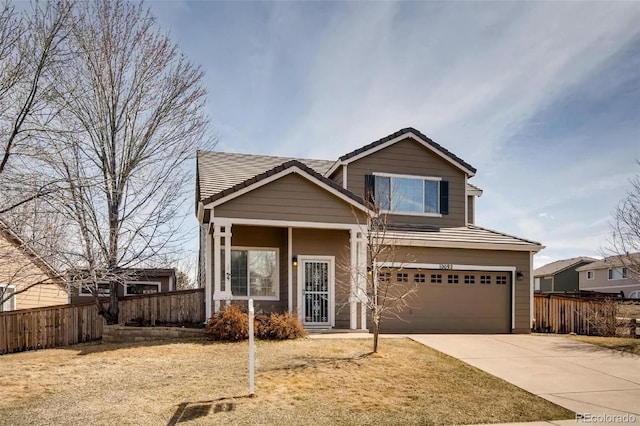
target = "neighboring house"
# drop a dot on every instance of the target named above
(609, 275)
(24, 274)
(137, 281)
(560, 275)
(280, 227)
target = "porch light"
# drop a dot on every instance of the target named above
(295, 261)
(369, 270)
(519, 276)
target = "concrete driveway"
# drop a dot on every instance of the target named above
(584, 378)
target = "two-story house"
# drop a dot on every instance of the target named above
(560, 276)
(610, 275)
(276, 230)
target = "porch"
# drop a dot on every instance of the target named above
(316, 270)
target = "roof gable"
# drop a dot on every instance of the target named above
(396, 137)
(561, 265)
(611, 262)
(292, 166)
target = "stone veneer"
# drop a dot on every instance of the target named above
(122, 334)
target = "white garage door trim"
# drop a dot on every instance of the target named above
(452, 267)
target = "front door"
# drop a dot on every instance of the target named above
(317, 292)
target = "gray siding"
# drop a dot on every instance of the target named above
(601, 283)
(546, 284)
(410, 158)
(292, 198)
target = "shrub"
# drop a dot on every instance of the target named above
(279, 326)
(230, 324)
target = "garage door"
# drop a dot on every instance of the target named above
(453, 302)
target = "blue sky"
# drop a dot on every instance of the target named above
(543, 98)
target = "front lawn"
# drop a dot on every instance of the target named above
(308, 381)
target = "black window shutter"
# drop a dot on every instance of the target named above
(370, 189)
(444, 197)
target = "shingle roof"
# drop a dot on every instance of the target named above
(284, 166)
(611, 261)
(218, 171)
(463, 235)
(419, 134)
(560, 265)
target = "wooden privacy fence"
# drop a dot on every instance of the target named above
(562, 314)
(64, 325)
(49, 327)
(186, 306)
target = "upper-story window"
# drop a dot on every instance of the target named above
(412, 195)
(591, 275)
(617, 273)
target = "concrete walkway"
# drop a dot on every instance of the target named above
(587, 379)
(584, 378)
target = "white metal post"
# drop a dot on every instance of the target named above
(252, 386)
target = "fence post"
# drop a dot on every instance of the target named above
(633, 328)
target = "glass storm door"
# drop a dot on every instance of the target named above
(315, 292)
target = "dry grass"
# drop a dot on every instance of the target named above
(629, 310)
(623, 344)
(308, 381)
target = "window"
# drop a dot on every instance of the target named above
(452, 279)
(7, 290)
(103, 289)
(254, 273)
(384, 277)
(419, 278)
(402, 277)
(485, 279)
(134, 288)
(501, 279)
(591, 275)
(436, 278)
(617, 273)
(469, 279)
(410, 195)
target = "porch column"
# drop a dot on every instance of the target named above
(225, 290)
(355, 279)
(217, 276)
(290, 268)
(362, 284)
(208, 281)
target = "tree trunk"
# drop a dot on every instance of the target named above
(376, 332)
(111, 313)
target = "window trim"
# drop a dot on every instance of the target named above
(592, 273)
(132, 283)
(12, 299)
(422, 178)
(82, 287)
(277, 274)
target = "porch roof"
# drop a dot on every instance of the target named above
(219, 171)
(470, 236)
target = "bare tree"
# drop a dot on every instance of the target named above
(382, 295)
(31, 44)
(624, 242)
(130, 117)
